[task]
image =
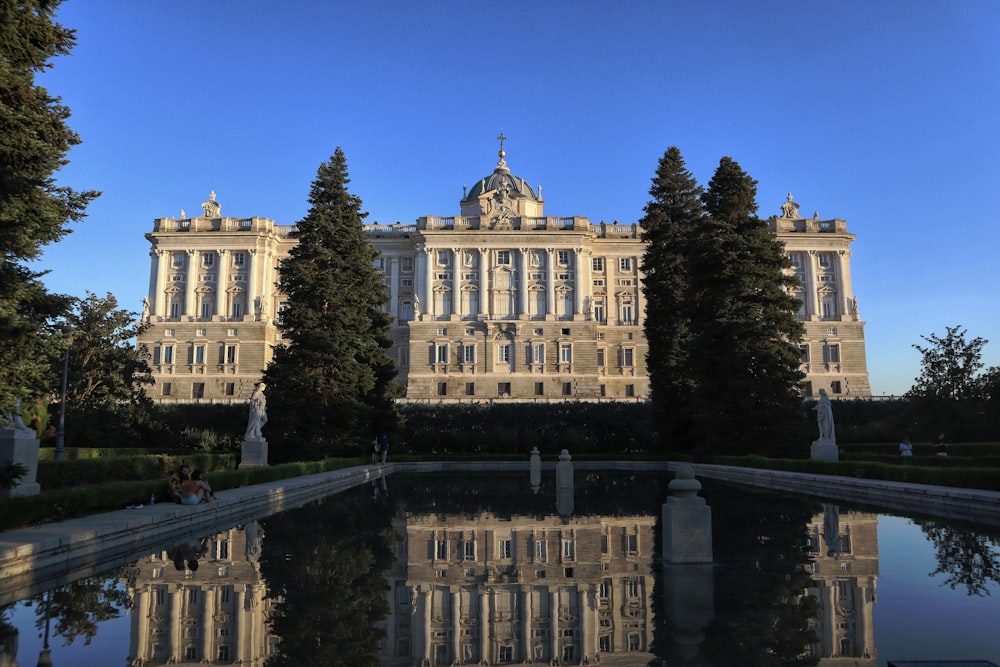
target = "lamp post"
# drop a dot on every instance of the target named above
(60, 453)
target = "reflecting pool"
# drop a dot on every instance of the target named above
(440, 570)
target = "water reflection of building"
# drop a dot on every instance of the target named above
(217, 614)
(521, 589)
(844, 549)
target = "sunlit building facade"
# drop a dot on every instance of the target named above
(500, 302)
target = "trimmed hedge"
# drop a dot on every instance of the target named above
(54, 475)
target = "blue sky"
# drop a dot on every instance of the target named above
(882, 113)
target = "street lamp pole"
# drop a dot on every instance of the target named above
(61, 427)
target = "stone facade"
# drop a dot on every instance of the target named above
(498, 303)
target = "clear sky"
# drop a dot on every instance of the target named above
(881, 113)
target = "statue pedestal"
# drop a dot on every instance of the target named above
(687, 531)
(254, 454)
(20, 448)
(824, 450)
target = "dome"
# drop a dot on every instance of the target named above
(501, 178)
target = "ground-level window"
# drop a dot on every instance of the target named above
(166, 388)
(835, 387)
(230, 389)
(198, 390)
(630, 390)
(539, 389)
(442, 388)
(503, 388)
(567, 388)
(470, 388)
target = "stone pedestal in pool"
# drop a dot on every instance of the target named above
(687, 521)
(20, 447)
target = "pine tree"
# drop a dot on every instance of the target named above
(673, 217)
(34, 211)
(744, 332)
(332, 379)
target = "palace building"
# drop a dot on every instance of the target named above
(500, 302)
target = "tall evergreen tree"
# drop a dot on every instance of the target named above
(332, 378)
(34, 211)
(673, 218)
(744, 331)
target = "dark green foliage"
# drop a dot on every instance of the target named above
(744, 335)
(107, 374)
(77, 609)
(612, 428)
(970, 560)
(329, 581)
(34, 211)
(673, 218)
(332, 380)
(951, 395)
(85, 471)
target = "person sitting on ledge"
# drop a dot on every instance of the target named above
(195, 490)
(174, 485)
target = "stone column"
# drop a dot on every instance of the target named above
(425, 621)
(522, 285)
(554, 621)
(812, 304)
(586, 632)
(844, 288)
(484, 282)
(176, 604)
(578, 292)
(252, 288)
(155, 293)
(456, 282)
(222, 278)
(160, 305)
(139, 639)
(419, 278)
(392, 275)
(526, 625)
(456, 625)
(207, 624)
(484, 624)
(550, 284)
(239, 623)
(428, 301)
(190, 308)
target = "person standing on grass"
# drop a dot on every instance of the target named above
(383, 446)
(941, 445)
(905, 448)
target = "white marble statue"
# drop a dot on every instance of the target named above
(258, 413)
(824, 417)
(16, 423)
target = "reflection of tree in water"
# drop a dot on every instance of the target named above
(76, 609)
(763, 614)
(8, 637)
(324, 566)
(965, 558)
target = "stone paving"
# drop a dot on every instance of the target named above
(35, 559)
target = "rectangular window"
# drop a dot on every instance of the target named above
(835, 387)
(804, 353)
(541, 550)
(505, 548)
(627, 314)
(232, 333)
(563, 257)
(166, 389)
(539, 389)
(600, 357)
(208, 259)
(567, 388)
(237, 308)
(503, 389)
(824, 260)
(625, 263)
(442, 354)
(222, 655)
(469, 548)
(199, 354)
(628, 357)
(566, 353)
(599, 311)
(230, 389)
(469, 354)
(599, 283)
(538, 353)
(175, 309)
(230, 354)
(442, 388)
(443, 257)
(168, 354)
(470, 388)
(406, 264)
(503, 257)
(503, 353)
(440, 549)
(630, 390)
(206, 309)
(831, 354)
(568, 550)
(198, 390)
(597, 264)
(604, 390)
(239, 258)
(380, 263)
